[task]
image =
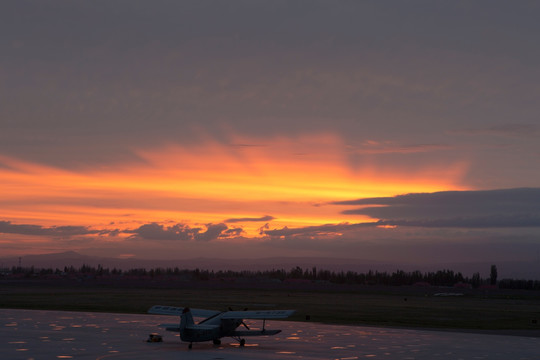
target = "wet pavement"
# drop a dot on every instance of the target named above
(36, 335)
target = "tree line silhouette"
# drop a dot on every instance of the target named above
(396, 278)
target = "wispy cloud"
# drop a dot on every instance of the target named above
(250, 219)
(320, 230)
(393, 147)
(513, 130)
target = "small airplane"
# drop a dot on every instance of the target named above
(217, 324)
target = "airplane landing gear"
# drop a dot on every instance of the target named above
(240, 340)
(217, 342)
(190, 346)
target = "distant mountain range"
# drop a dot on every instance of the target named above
(516, 270)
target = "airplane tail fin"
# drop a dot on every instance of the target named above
(186, 319)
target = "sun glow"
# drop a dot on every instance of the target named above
(290, 179)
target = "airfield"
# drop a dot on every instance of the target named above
(39, 334)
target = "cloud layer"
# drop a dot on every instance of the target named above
(6, 227)
(201, 127)
(462, 225)
(468, 209)
(149, 75)
(248, 219)
(183, 232)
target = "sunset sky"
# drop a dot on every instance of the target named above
(385, 131)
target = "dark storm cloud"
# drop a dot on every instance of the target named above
(182, 232)
(7, 227)
(468, 209)
(247, 219)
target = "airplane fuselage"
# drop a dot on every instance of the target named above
(198, 333)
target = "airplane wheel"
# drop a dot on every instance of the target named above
(190, 346)
(242, 342)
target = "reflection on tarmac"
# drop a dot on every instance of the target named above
(32, 334)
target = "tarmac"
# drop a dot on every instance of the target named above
(37, 335)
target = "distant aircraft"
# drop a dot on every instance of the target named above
(217, 324)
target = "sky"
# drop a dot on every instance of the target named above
(373, 130)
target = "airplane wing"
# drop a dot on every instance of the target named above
(258, 314)
(177, 311)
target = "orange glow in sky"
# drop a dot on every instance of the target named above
(290, 179)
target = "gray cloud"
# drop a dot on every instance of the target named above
(213, 232)
(182, 232)
(151, 231)
(234, 232)
(247, 219)
(7, 227)
(155, 231)
(469, 209)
